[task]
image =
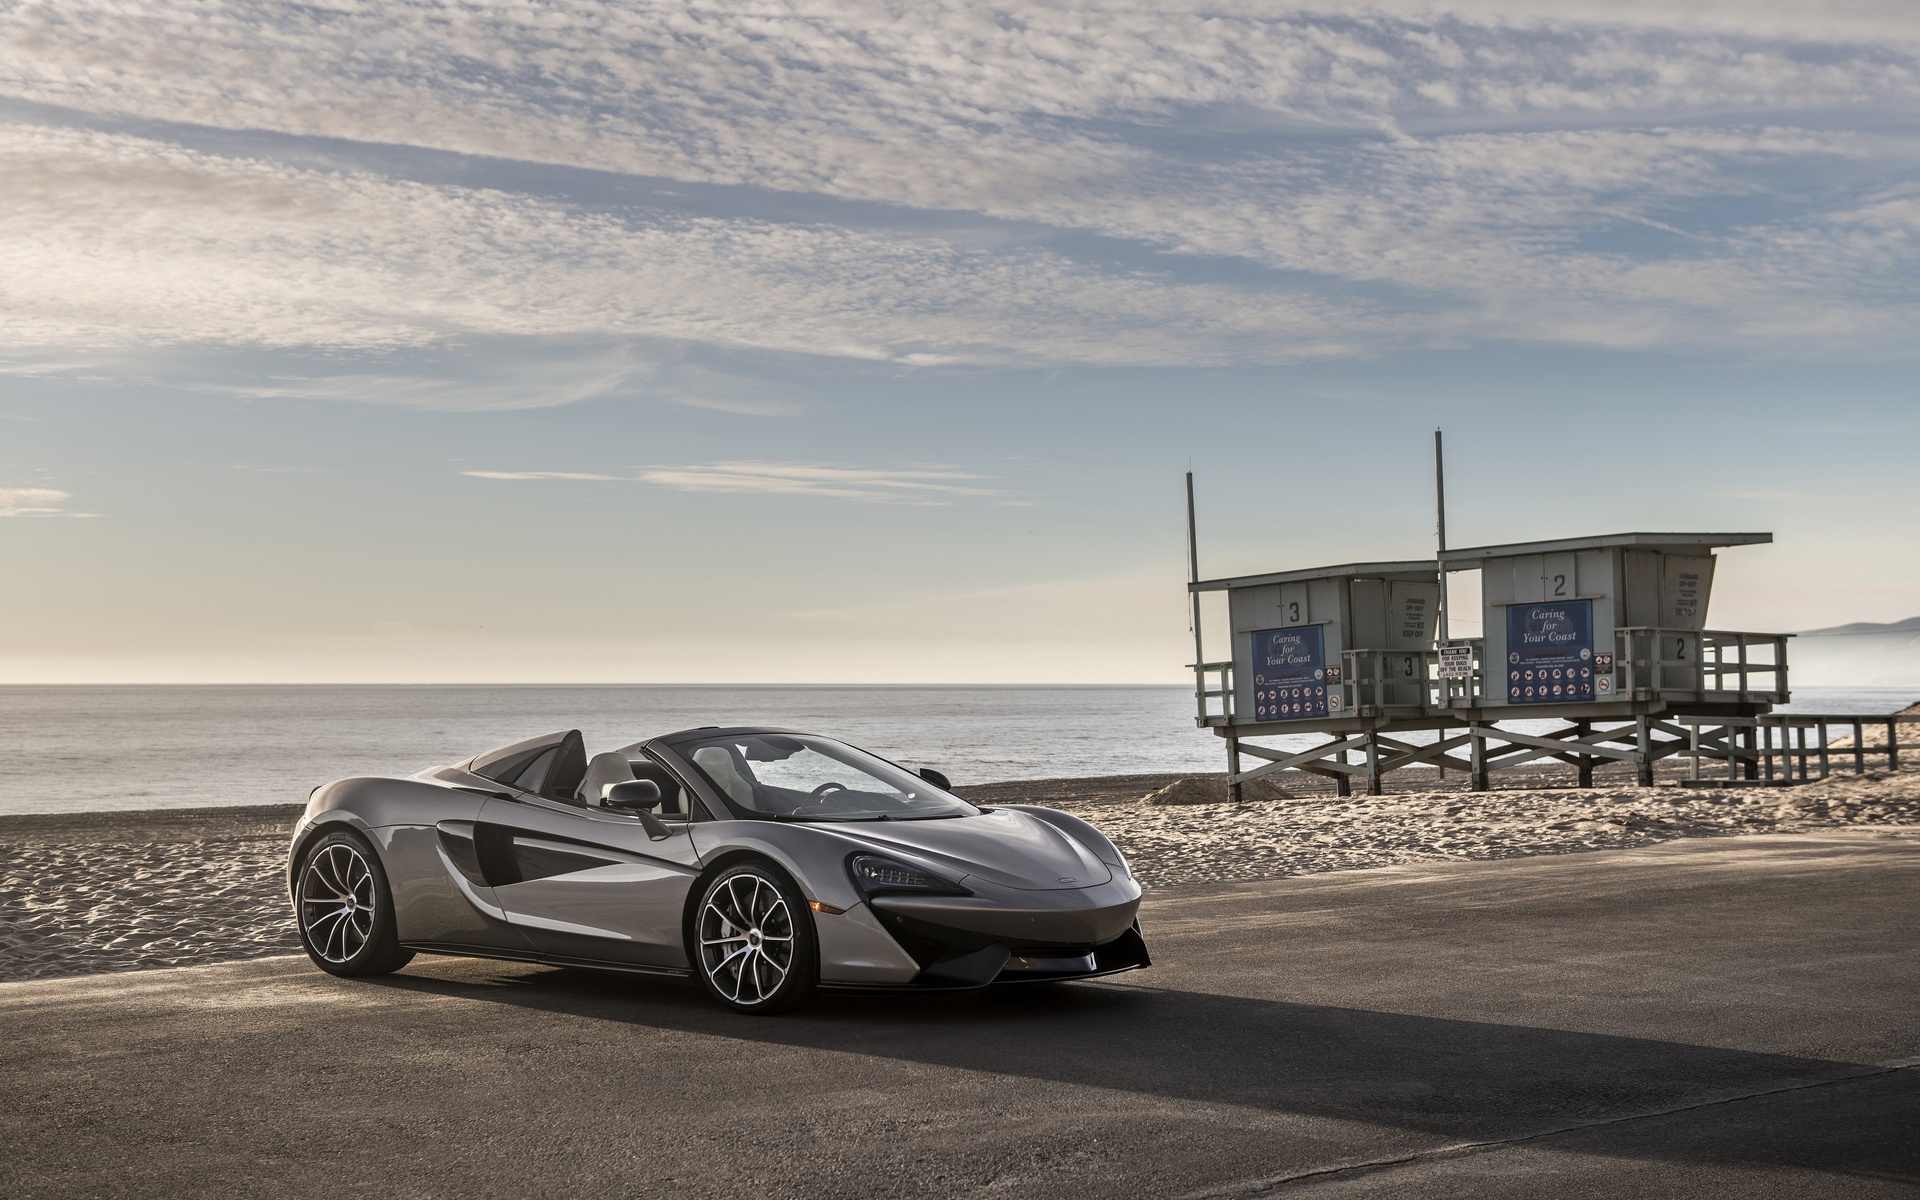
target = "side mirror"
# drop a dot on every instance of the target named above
(636, 796)
(935, 778)
(631, 795)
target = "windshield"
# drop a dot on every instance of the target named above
(794, 777)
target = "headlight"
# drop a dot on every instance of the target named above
(875, 875)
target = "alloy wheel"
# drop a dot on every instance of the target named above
(338, 902)
(746, 938)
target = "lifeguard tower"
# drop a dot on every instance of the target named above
(1627, 612)
(1610, 631)
(1338, 650)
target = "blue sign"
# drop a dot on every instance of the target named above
(1289, 674)
(1550, 652)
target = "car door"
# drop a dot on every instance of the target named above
(589, 884)
(441, 900)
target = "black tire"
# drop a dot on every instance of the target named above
(745, 917)
(344, 908)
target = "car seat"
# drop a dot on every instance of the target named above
(719, 764)
(602, 773)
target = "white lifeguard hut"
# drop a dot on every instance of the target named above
(1326, 643)
(1596, 622)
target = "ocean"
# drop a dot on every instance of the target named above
(79, 749)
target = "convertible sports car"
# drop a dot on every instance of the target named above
(768, 863)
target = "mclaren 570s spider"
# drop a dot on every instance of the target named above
(767, 864)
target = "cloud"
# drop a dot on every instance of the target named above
(511, 388)
(116, 240)
(464, 374)
(745, 406)
(922, 486)
(952, 104)
(540, 475)
(516, 372)
(35, 502)
(1261, 183)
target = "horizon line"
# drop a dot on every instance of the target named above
(562, 683)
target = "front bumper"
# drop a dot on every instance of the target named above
(1012, 936)
(1037, 920)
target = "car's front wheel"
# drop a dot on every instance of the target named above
(754, 944)
(346, 909)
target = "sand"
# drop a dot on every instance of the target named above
(94, 892)
(115, 891)
(1170, 845)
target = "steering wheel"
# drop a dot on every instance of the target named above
(821, 792)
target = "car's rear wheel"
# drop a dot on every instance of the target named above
(754, 944)
(345, 908)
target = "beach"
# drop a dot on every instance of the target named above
(117, 891)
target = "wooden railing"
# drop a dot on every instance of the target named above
(1207, 713)
(1650, 663)
(1377, 679)
(1752, 746)
(1715, 663)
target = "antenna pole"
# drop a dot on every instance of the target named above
(1193, 541)
(1440, 524)
(1193, 597)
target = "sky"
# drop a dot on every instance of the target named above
(854, 342)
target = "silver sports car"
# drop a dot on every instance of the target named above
(769, 864)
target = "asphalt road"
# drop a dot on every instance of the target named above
(1723, 1017)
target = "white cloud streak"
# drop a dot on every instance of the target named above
(922, 486)
(541, 475)
(510, 389)
(1423, 173)
(35, 502)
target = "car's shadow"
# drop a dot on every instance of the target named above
(1456, 1079)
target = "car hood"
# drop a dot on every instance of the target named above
(1004, 847)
